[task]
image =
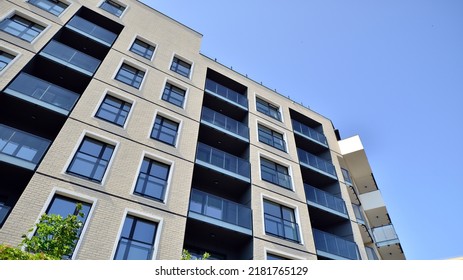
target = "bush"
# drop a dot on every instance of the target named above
(8, 252)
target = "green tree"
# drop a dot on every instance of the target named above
(55, 236)
(187, 256)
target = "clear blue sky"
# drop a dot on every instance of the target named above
(390, 71)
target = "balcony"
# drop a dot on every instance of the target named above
(358, 214)
(221, 212)
(92, 31)
(325, 201)
(223, 162)
(70, 57)
(316, 163)
(385, 236)
(281, 228)
(334, 247)
(42, 93)
(4, 211)
(309, 133)
(21, 148)
(225, 124)
(226, 94)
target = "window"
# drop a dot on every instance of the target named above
(137, 239)
(152, 179)
(64, 206)
(5, 58)
(275, 257)
(91, 160)
(142, 49)
(275, 173)
(52, 6)
(22, 28)
(271, 138)
(268, 109)
(174, 95)
(114, 110)
(346, 176)
(112, 7)
(165, 130)
(130, 75)
(4, 209)
(280, 221)
(181, 67)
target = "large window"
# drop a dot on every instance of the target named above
(142, 49)
(137, 239)
(275, 173)
(271, 138)
(114, 110)
(174, 95)
(181, 67)
(64, 206)
(21, 28)
(52, 6)
(91, 159)
(152, 179)
(112, 7)
(268, 109)
(130, 75)
(280, 221)
(5, 58)
(165, 130)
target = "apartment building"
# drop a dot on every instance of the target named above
(110, 104)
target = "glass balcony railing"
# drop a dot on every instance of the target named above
(4, 211)
(277, 178)
(220, 209)
(21, 148)
(91, 30)
(281, 228)
(385, 235)
(222, 160)
(346, 176)
(325, 199)
(224, 123)
(371, 254)
(70, 57)
(309, 133)
(226, 93)
(316, 162)
(358, 213)
(43, 93)
(335, 245)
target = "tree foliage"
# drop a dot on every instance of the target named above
(54, 238)
(187, 256)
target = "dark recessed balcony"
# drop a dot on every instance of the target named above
(325, 201)
(70, 57)
(316, 163)
(227, 94)
(334, 247)
(42, 93)
(309, 133)
(92, 30)
(224, 124)
(220, 212)
(21, 148)
(223, 162)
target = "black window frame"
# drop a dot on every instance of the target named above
(169, 91)
(276, 169)
(148, 48)
(179, 64)
(134, 71)
(131, 236)
(52, 9)
(281, 218)
(122, 114)
(149, 176)
(5, 59)
(271, 137)
(159, 131)
(26, 23)
(267, 109)
(113, 7)
(101, 157)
